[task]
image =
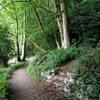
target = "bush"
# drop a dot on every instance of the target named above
(5, 73)
(86, 74)
(6, 45)
(16, 65)
(84, 18)
(57, 58)
(35, 72)
(3, 88)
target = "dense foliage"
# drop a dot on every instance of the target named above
(57, 31)
(57, 58)
(86, 74)
(84, 19)
(6, 45)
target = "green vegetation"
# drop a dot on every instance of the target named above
(86, 68)
(87, 75)
(51, 60)
(3, 88)
(57, 58)
(5, 74)
(6, 45)
(17, 65)
(57, 31)
(35, 72)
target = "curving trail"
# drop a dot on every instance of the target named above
(23, 88)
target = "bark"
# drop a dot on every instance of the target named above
(59, 20)
(65, 24)
(17, 42)
(23, 47)
(60, 30)
(62, 21)
(57, 42)
(24, 38)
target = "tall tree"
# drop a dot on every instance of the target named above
(62, 20)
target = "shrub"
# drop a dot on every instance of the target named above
(85, 19)
(34, 71)
(6, 45)
(16, 65)
(3, 88)
(86, 74)
(57, 58)
(5, 73)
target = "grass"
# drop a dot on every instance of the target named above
(49, 61)
(16, 65)
(35, 72)
(57, 58)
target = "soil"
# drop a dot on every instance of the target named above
(23, 88)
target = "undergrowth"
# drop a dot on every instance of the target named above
(86, 74)
(35, 72)
(86, 69)
(51, 60)
(57, 58)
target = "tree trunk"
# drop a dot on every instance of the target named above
(17, 33)
(23, 47)
(59, 20)
(24, 37)
(17, 42)
(60, 30)
(62, 21)
(65, 24)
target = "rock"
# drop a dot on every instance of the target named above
(62, 73)
(61, 78)
(66, 88)
(68, 74)
(56, 77)
(71, 80)
(12, 61)
(66, 80)
(49, 77)
(58, 83)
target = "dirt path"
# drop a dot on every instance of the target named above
(22, 88)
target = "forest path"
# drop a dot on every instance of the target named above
(23, 88)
